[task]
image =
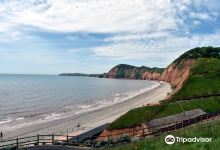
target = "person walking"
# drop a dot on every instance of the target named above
(78, 126)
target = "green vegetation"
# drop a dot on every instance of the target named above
(134, 117)
(203, 52)
(125, 66)
(207, 104)
(204, 79)
(139, 115)
(120, 73)
(126, 71)
(84, 75)
(206, 130)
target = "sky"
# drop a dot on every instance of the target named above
(92, 36)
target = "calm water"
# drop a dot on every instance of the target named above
(31, 99)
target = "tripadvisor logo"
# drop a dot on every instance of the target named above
(170, 139)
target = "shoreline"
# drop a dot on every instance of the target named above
(93, 119)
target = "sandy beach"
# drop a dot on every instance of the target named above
(90, 120)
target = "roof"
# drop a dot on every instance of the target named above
(91, 134)
(172, 119)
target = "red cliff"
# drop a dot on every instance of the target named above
(177, 73)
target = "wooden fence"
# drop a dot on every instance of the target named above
(70, 140)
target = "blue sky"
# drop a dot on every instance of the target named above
(92, 36)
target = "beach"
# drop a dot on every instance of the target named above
(92, 119)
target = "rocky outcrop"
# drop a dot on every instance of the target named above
(151, 75)
(177, 73)
(123, 71)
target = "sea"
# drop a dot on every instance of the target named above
(34, 99)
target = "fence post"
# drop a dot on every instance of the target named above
(108, 142)
(67, 138)
(133, 132)
(38, 139)
(52, 138)
(17, 143)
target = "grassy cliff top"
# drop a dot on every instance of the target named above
(204, 79)
(126, 66)
(200, 52)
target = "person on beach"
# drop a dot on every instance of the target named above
(78, 126)
(1, 135)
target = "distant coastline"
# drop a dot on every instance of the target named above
(125, 71)
(104, 75)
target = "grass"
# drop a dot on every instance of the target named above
(199, 52)
(204, 79)
(206, 130)
(206, 104)
(134, 117)
(139, 115)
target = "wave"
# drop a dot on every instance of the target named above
(118, 98)
(7, 120)
(84, 106)
(81, 108)
(45, 118)
(52, 116)
(20, 118)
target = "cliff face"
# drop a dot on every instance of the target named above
(177, 73)
(131, 72)
(194, 74)
(151, 75)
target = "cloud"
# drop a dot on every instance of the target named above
(100, 16)
(168, 47)
(136, 36)
(93, 15)
(201, 16)
(152, 30)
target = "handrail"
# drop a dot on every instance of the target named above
(40, 140)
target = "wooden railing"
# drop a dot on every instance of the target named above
(75, 140)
